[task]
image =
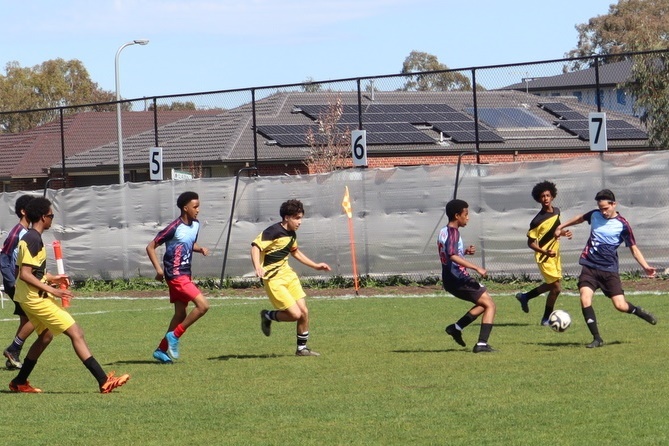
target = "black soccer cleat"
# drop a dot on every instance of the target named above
(455, 334)
(523, 302)
(597, 342)
(265, 324)
(483, 348)
(646, 316)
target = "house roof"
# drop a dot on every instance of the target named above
(610, 75)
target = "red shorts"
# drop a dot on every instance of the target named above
(182, 289)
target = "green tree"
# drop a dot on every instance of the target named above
(419, 62)
(54, 83)
(176, 106)
(309, 86)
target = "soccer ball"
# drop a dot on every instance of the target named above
(559, 320)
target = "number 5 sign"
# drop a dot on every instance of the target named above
(156, 163)
(359, 147)
(597, 127)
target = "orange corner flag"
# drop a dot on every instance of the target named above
(346, 204)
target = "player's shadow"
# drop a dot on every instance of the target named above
(135, 361)
(446, 350)
(229, 357)
(570, 344)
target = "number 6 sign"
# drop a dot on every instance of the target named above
(359, 147)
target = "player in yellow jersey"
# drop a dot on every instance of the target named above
(269, 254)
(541, 239)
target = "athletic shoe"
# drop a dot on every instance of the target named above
(523, 302)
(545, 323)
(13, 359)
(172, 345)
(484, 348)
(306, 352)
(643, 314)
(597, 342)
(455, 334)
(265, 324)
(23, 388)
(161, 356)
(113, 382)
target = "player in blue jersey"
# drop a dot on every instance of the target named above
(180, 239)
(8, 257)
(599, 261)
(457, 281)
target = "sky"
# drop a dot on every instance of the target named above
(211, 45)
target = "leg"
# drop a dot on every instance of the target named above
(489, 310)
(589, 316)
(20, 382)
(554, 290)
(624, 306)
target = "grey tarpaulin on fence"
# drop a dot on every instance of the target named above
(397, 214)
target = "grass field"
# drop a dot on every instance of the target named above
(388, 374)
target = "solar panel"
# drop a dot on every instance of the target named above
(509, 118)
(616, 130)
(555, 107)
(571, 115)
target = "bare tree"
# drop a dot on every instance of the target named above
(330, 144)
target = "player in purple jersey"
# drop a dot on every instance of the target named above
(180, 239)
(599, 261)
(8, 256)
(457, 281)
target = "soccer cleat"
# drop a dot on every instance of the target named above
(306, 352)
(161, 356)
(113, 382)
(523, 302)
(545, 323)
(597, 342)
(265, 324)
(13, 361)
(23, 388)
(172, 345)
(483, 348)
(643, 314)
(455, 334)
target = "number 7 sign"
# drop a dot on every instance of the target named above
(597, 127)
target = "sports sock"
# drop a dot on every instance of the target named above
(591, 321)
(16, 345)
(465, 320)
(484, 334)
(25, 371)
(547, 312)
(163, 345)
(534, 292)
(302, 339)
(179, 331)
(271, 315)
(95, 368)
(631, 308)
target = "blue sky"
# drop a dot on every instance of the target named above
(207, 45)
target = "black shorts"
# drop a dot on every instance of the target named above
(609, 282)
(470, 290)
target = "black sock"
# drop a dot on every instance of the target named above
(547, 312)
(96, 370)
(26, 370)
(534, 292)
(302, 339)
(272, 315)
(484, 334)
(631, 309)
(465, 320)
(591, 321)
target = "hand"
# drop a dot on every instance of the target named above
(550, 253)
(650, 271)
(323, 267)
(63, 293)
(482, 272)
(205, 251)
(471, 250)
(260, 273)
(567, 233)
(160, 276)
(60, 281)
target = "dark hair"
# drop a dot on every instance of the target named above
(539, 188)
(21, 204)
(186, 198)
(455, 207)
(291, 207)
(37, 208)
(605, 194)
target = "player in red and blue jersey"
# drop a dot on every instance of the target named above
(180, 239)
(599, 261)
(457, 281)
(8, 266)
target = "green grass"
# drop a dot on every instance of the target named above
(388, 375)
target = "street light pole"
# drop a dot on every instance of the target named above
(119, 129)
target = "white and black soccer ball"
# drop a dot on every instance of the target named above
(559, 320)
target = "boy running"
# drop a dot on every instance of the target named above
(457, 281)
(37, 292)
(269, 254)
(599, 259)
(8, 256)
(546, 247)
(180, 239)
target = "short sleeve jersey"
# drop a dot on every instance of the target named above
(450, 243)
(606, 235)
(10, 252)
(275, 244)
(179, 239)
(542, 229)
(32, 253)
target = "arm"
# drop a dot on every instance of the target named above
(151, 252)
(534, 246)
(255, 259)
(573, 221)
(302, 258)
(469, 265)
(201, 249)
(26, 274)
(636, 252)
